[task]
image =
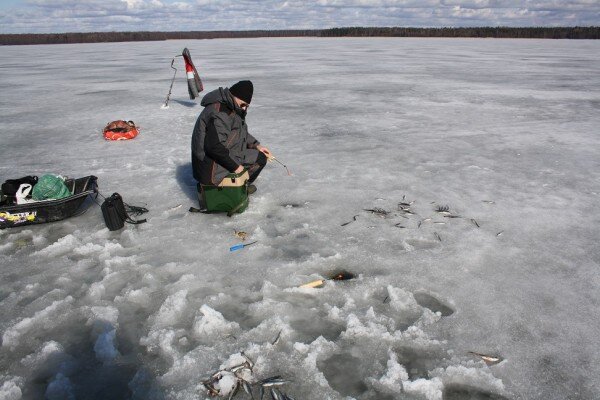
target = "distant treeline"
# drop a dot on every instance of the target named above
(577, 32)
(574, 32)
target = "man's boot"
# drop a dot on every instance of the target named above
(251, 189)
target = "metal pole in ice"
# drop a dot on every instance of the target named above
(166, 105)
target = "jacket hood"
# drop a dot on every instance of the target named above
(220, 95)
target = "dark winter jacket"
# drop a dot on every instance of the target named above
(220, 142)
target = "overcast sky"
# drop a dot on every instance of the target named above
(44, 16)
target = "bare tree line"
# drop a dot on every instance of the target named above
(577, 32)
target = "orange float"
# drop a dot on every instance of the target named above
(120, 130)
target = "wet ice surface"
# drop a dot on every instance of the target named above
(150, 311)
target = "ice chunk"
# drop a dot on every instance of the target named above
(49, 360)
(11, 389)
(226, 384)
(431, 389)
(61, 247)
(138, 296)
(233, 360)
(212, 324)
(108, 314)
(96, 291)
(171, 310)
(48, 349)
(45, 317)
(395, 375)
(401, 300)
(161, 341)
(103, 252)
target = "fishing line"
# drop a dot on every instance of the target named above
(272, 158)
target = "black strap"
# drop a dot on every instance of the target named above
(134, 210)
(135, 222)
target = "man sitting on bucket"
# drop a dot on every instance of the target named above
(221, 143)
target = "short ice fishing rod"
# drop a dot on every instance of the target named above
(272, 158)
(172, 81)
(336, 276)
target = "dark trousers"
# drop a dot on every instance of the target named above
(255, 169)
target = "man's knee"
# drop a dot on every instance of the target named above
(261, 159)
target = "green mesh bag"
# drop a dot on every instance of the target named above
(50, 187)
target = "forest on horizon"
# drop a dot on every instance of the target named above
(577, 32)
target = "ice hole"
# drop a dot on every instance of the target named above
(344, 375)
(459, 392)
(428, 301)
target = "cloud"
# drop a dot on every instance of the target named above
(378, 3)
(44, 16)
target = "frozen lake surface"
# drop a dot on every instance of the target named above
(504, 132)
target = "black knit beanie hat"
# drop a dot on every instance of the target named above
(243, 90)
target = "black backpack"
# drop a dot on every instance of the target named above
(115, 215)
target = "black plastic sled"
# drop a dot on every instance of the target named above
(41, 212)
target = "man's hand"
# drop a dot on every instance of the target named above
(264, 150)
(239, 170)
